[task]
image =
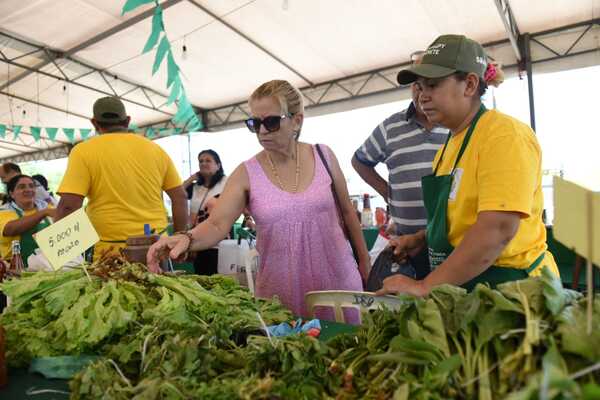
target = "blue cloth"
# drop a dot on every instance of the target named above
(285, 329)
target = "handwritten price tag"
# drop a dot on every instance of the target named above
(66, 239)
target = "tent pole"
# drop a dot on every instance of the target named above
(527, 59)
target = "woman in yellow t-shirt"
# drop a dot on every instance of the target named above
(484, 199)
(22, 217)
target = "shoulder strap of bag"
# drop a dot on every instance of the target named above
(335, 196)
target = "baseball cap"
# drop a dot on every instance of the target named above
(109, 109)
(445, 56)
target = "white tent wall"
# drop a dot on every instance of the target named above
(324, 47)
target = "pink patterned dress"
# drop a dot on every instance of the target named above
(301, 244)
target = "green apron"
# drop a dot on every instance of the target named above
(436, 191)
(28, 244)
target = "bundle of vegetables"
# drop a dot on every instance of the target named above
(188, 365)
(525, 340)
(91, 312)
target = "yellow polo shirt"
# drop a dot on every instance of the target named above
(501, 170)
(7, 215)
(123, 176)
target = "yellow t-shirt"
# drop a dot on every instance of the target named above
(123, 176)
(7, 215)
(500, 170)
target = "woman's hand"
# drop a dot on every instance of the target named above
(407, 245)
(166, 247)
(403, 284)
(191, 179)
(50, 212)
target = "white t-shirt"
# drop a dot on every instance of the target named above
(200, 195)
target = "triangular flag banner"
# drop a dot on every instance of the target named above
(175, 91)
(16, 130)
(51, 132)
(186, 114)
(84, 133)
(172, 69)
(163, 47)
(36, 132)
(156, 30)
(195, 125)
(69, 133)
(134, 128)
(133, 4)
(2, 130)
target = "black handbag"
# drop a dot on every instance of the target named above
(386, 265)
(338, 205)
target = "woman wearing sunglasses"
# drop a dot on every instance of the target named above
(484, 199)
(287, 189)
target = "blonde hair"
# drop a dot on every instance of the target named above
(289, 97)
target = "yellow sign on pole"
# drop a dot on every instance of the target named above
(577, 218)
(64, 240)
(577, 225)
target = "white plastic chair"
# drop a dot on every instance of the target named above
(347, 299)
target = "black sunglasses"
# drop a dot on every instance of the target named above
(271, 123)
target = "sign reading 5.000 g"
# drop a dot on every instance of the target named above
(66, 239)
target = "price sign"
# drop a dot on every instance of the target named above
(66, 239)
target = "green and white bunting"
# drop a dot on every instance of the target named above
(186, 116)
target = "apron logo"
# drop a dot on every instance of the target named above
(456, 178)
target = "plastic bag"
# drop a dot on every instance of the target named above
(386, 265)
(38, 262)
(61, 367)
(380, 244)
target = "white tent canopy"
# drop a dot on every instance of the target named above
(58, 56)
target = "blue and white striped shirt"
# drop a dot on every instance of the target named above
(408, 149)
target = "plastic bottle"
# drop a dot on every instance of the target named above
(367, 214)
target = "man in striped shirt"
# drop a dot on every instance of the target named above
(407, 143)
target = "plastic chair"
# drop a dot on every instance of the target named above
(347, 299)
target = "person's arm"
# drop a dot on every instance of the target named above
(68, 203)
(349, 215)
(482, 245)
(210, 232)
(371, 177)
(409, 245)
(18, 226)
(178, 207)
(480, 248)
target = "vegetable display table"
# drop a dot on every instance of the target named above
(20, 380)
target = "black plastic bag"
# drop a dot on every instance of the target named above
(386, 265)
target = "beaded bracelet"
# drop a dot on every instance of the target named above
(187, 234)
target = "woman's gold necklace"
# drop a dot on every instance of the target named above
(274, 170)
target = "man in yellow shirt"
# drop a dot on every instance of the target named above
(484, 199)
(123, 176)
